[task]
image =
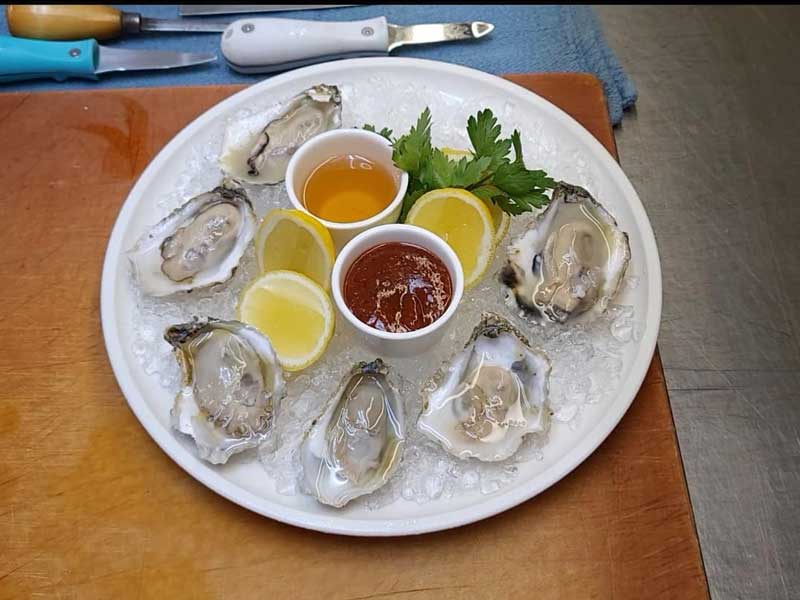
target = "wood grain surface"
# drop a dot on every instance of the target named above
(90, 507)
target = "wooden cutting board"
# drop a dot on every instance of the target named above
(90, 507)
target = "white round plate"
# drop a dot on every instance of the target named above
(563, 147)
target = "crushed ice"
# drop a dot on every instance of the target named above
(587, 359)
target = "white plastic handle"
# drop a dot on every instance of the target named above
(264, 45)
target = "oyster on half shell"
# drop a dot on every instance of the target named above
(257, 149)
(197, 245)
(231, 386)
(488, 397)
(357, 443)
(570, 262)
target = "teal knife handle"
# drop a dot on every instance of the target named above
(21, 58)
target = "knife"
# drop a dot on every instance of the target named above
(82, 21)
(38, 59)
(191, 10)
(264, 45)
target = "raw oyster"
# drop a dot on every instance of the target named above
(232, 385)
(258, 149)
(197, 245)
(571, 262)
(489, 396)
(357, 443)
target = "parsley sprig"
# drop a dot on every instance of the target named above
(489, 173)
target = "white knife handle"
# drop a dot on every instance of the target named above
(266, 44)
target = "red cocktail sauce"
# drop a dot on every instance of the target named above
(398, 287)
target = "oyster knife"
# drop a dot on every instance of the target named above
(263, 45)
(39, 59)
(85, 21)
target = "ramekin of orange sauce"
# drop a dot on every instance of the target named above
(347, 180)
(398, 286)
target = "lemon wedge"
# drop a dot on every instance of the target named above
(289, 239)
(294, 312)
(462, 220)
(500, 218)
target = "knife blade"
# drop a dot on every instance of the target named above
(116, 59)
(439, 32)
(38, 59)
(264, 45)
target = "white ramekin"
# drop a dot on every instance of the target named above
(408, 344)
(335, 143)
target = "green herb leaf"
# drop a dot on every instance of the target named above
(442, 170)
(413, 149)
(470, 171)
(385, 132)
(412, 195)
(514, 179)
(488, 193)
(510, 205)
(535, 199)
(516, 142)
(545, 182)
(489, 173)
(484, 131)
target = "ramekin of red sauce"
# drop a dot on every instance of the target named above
(398, 286)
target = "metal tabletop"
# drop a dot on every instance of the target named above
(712, 148)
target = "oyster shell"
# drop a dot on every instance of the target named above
(356, 445)
(571, 262)
(258, 149)
(484, 401)
(232, 385)
(197, 245)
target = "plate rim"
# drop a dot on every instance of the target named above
(491, 505)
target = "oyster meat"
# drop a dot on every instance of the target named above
(197, 245)
(231, 386)
(570, 262)
(492, 394)
(257, 149)
(357, 443)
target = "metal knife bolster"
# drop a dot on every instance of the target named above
(136, 23)
(440, 32)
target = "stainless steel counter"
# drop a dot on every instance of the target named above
(713, 149)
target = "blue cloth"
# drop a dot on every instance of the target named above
(525, 39)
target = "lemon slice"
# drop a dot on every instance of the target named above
(500, 218)
(294, 312)
(462, 220)
(292, 240)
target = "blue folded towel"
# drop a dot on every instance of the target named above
(525, 39)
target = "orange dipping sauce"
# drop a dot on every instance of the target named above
(348, 188)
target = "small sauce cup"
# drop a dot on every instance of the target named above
(336, 143)
(411, 343)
